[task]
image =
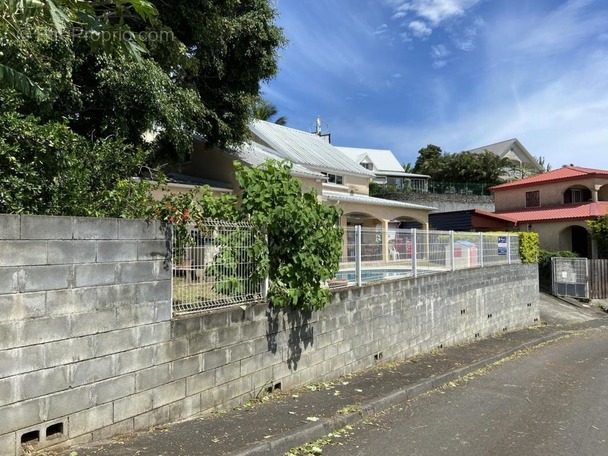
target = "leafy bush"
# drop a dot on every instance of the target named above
(528, 247)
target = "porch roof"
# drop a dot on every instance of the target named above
(365, 199)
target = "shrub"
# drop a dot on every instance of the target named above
(528, 247)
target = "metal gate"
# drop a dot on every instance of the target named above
(570, 277)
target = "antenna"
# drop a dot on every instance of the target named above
(319, 127)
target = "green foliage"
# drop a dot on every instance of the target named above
(103, 24)
(599, 232)
(227, 48)
(84, 64)
(45, 168)
(304, 241)
(462, 167)
(528, 247)
(264, 110)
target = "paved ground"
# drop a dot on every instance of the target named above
(551, 402)
(285, 420)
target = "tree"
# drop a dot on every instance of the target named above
(429, 160)
(227, 48)
(464, 167)
(264, 110)
(199, 74)
(102, 18)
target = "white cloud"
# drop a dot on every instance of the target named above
(420, 29)
(439, 51)
(397, 76)
(568, 27)
(381, 29)
(433, 11)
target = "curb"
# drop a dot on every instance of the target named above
(314, 431)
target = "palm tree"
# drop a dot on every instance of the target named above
(264, 110)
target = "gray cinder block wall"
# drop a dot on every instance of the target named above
(88, 348)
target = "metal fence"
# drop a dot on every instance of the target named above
(213, 266)
(570, 277)
(373, 254)
(459, 188)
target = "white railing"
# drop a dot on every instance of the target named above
(213, 266)
(373, 254)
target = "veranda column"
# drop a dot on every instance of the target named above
(385, 241)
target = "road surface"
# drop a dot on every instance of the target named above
(552, 400)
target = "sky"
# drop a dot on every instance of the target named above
(459, 74)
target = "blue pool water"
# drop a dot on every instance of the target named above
(369, 275)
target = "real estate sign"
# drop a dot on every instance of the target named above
(502, 245)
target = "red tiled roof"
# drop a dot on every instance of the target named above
(564, 212)
(564, 173)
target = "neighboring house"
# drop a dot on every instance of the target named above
(317, 164)
(524, 163)
(387, 168)
(557, 205)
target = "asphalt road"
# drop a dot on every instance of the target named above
(552, 400)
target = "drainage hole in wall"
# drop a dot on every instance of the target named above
(272, 388)
(29, 439)
(529, 304)
(54, 431)
(489, 315)
(477, 334)
(378, 356)
(440, 346)
(463, 311)
(536, 319)
(504, 329)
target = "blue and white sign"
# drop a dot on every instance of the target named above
(502, 245)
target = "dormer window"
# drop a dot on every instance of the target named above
(369, 166)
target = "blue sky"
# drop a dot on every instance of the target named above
(460, 74)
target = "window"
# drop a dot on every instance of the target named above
(577, 195)
(369, 166)
(533, 199)
(334, 179)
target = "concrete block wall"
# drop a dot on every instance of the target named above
(78, 297)
(88, 348)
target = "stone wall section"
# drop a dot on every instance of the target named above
(88, 347)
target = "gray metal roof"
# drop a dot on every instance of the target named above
(502, 149)
(365, 199)
(306, 149)
(255, 154)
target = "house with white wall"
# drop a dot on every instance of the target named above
(387, 168)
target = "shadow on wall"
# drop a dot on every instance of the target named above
(301, 333)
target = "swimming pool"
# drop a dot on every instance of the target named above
(369, 275)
